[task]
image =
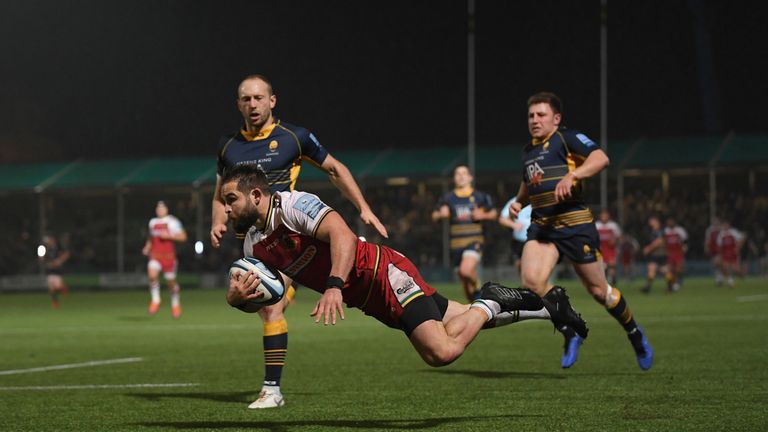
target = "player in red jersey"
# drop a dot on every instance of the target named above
(675, 240)
(164, 230)
(711, 248)
(306, 240)
(609, 233)
(729, 242)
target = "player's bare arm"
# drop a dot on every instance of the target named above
(595, 162)
(655, 244)
(218, 216)
(343, 244)
(147, 247)
(180, 236)
(342, 178)
(442, 213)
(521, 200)
(481, 214)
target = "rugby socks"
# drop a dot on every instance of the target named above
(619, 310)
(490, 307)
(154, 291)
(275, 348)
(505, 318)
(176, 296)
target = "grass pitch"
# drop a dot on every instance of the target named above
(710, 372)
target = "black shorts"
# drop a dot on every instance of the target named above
(517, 248)
(660, 260)
(457, 254)
(422, 309)
(580, 244)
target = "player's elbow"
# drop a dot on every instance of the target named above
(605, 160)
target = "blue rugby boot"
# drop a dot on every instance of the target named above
(571, 351)
(643, 349)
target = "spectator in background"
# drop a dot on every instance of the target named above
(56, 255)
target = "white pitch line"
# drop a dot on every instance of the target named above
(758, 297)
(72, 365)
(99, 386)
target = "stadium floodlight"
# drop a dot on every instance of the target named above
(199, 247)
(41, 251)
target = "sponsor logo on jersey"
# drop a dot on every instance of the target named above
(585, 140)
(301, 262)
(309, 205)
(314, 139)
(405, 288)
(273, 145)
(535, 173)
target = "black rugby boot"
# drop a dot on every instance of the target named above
(562, 314)
(511, 299)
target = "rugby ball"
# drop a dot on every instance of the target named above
(271, 281)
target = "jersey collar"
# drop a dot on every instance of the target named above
(536, 141)
(464, 193)
(262, 134)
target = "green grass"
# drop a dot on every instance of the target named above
(710, 372)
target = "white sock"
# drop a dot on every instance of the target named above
(505, 318)
(271, 389)
(176, 297)
(154, 291)
(490, 307)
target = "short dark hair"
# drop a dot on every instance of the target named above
(547, 98)
(248, 176)
(462, 165)
(258, 77)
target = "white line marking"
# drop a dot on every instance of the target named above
(72, 365)
(99, 386)
(113, 329)
(758, 297)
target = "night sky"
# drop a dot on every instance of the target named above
(102, 80)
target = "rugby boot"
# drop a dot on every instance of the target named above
(511, 299)
(562, 314)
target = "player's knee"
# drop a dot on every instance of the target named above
(272, 313)
(439, 356)
(465, 272)
(535, 285)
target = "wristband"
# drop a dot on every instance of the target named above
(334, 282)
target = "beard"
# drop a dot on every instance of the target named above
(247, 218)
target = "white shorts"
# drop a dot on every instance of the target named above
(169, 269)
(471, 253)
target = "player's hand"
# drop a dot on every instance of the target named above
(242, 288)
(370, 219)
(444, 212)
(217, 232)
(145, 250)
(514, 209)
(564, 187)
(329, 303)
